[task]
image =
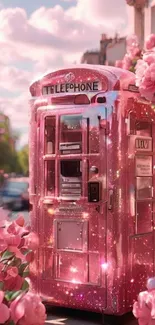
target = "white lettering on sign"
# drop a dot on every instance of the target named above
(72, 88)
(144, 166)
(143, 144)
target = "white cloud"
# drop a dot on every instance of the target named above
(14, 79)
(50, 38)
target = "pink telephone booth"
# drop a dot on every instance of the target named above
(91, 188)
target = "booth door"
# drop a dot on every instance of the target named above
(73, 228)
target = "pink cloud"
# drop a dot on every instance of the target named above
(50, 38)
(14, 79)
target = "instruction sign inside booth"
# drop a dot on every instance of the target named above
(144, 166)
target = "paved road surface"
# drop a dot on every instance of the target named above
(59, 316)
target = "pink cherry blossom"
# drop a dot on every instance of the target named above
(17, 227)
(32, 241)
(20, 221)
(150, 42)
(141, 66)
(119, 63)
(12, 280)
(28, 310)
(127, 62)
(11, 235)
(17, 308)
(134, 52)
(3, 217)
(132, 46)
(8, 239)
(149, 57)
(132, 41)
(147, 86)
(4, 310)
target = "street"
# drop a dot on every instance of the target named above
(61, 316)
(64, 316)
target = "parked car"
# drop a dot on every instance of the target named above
(15, 193)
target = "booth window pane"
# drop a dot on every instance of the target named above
(144, 187)
(50, 128)
(50, 177)
(94, 135)
(143, 128)
(131, 123)
(144, 217)
(71, 178)
(70, 134)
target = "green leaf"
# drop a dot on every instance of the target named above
(15, 294)
(17, 261)
(8, 295)
(25, 285)
(11, 322)
(1, 285)
(6, 256)
(11, 295)
(26, 273)
(26, 251)
(22, 268)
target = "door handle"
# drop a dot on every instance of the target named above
(110, 199)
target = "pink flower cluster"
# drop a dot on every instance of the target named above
(150, 42)
(133, 54)
(17, 304)
(144, 307)
(143, 66)
(145, 72)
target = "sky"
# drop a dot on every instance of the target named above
(41, 35)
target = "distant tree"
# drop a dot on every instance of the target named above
(23, 159)
(8, 157)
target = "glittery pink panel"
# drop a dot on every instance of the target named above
(92, 255)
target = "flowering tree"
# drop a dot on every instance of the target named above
(145, 70)
(142, 63)
(18, 305)
(132, 56)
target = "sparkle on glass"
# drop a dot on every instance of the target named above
(117, 173)
(104, 266)
(73, 269)
(51, 211)
(85, 215)
(75, 281)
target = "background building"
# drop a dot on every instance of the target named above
(111, 49)
(143, 14)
